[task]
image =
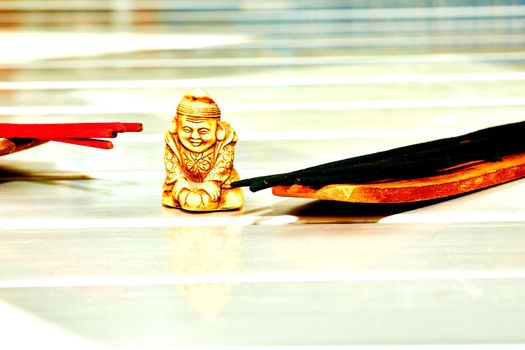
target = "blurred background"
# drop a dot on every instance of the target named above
(285, 70)
(382, 65)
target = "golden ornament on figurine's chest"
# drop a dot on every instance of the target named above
(199, 158)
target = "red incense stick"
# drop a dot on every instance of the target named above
(82, 134)
(66, 131)
(133, 127)
(54, 131)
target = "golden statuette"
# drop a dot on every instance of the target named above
(199, 158)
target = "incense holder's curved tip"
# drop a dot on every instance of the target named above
(8, 146)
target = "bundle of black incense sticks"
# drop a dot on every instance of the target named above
(409, 162)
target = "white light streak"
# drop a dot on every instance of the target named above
(455, 217)
(139, 107)
(31, 46)
(265, 278)
(96, 223)
(278, 220)
(266, 81)
(273, 61)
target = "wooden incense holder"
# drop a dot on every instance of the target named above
(467, 179)
(17, 145)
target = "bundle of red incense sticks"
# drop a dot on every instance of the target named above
(83, 134)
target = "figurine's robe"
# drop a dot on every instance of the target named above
(215, 164)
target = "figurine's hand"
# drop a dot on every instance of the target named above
(192, 200)
(182, 196)
(180, 185)
(212, 188)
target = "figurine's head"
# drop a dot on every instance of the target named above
(197, 122)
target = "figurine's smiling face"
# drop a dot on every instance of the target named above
(197, 134)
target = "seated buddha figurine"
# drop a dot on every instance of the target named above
(199, 158)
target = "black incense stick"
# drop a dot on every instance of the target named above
(408, 162)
